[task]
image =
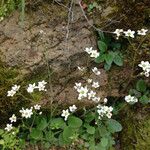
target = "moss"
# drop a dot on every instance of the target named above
(136, 130)
(10, 76)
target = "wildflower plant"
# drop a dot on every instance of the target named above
(90, 128)
(109, 51)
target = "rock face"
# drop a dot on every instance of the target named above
(49, 47)
(46, 45)
(43, 35)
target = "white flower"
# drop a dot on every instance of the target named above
(65, 113)
(118, 32)
(96, 71)
(1, 19)
(94, 54)
(145, 65)
(109, 115)
(99, 106)
(129, 33)
(31, 88)
(77, 86)
(110, 109)
(105, 100)
(96, 99)
(82, 92)
(89, 81)
(89, 50)
(16, 88)
(37, 107)
(142, 32)
(11, 93)
(91, 94)
(146, 74)
(41, 85)
(26, 113)
(81, 68)
(13, 90)
(95, 84)
(8, 127)
(13, 118)
(72, 108)
(40, 113)
(104, 111)
(131, 99)
(41, 31)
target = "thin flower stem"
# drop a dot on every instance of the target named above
(134, 61)
(125, 104)
(19, 94)
(32, 122)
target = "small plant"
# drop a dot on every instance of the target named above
(92, 6)
(109, 52)
(141, 92)
(6, 7)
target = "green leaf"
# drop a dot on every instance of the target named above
(36, 134)
(118, 60)
(100, 147)
(68, 133)
(57, 123)
(102, 130)
(42, 124)
(102, 46)
(74, 122)
(104, 141)
(95, 4)
(89, 117)
(1, 131)
(113, 126)
(91, 6)
(107, 67)
(90, 129)
(134, 92)
(101, 35)
(115, 46)
(144, 99)
(109, 58)
(100, 58)
(141, 86)
(49, 135)
(2, 142)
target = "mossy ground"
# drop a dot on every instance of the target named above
(136, 129)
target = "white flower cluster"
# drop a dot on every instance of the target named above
(104, 111)
(13, 90)
(129, 33)
(91, 52)
(131, 99)
(96, 71)
(85, 92)
(81, 68)
(41, 87)
(145, 65)
(25, 113)
(66, 113)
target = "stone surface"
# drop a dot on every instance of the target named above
(42, 44)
